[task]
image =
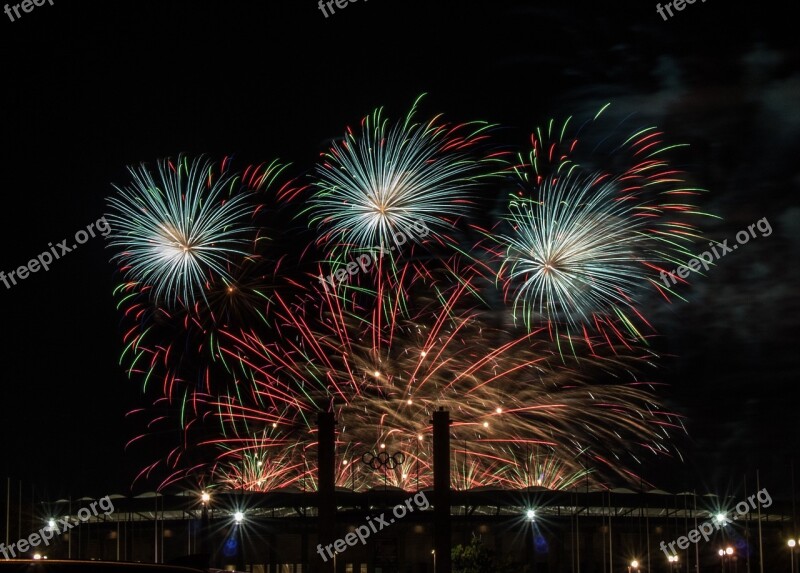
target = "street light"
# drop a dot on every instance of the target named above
(791, 543)
(634, 565)
(729, 553)
(723, 553)
(205, 536)
(673, 563)
(238, 519)
(530, 515)
(433, 552)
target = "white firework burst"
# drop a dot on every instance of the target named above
(175, 228)
(576, 251)
(373, 186)
(582, 245)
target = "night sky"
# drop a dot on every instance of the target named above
(89, 88)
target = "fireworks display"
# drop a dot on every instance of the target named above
(515, 403)
(580, 244)
(250, 347)
(177, 227)
(171, 336)
(381, 182)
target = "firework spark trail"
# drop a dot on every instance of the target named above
(579, 247)
(508, 395)
(172, 344)
(171, 331)
(519, 408)
(386, 179)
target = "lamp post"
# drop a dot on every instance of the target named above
(673, 563)
(238, 519)
(791, 543)
(205, 534)
(530, 515)
(433, 552)
(723, 554)
(633, 566)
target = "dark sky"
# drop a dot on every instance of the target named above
(89, 88)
